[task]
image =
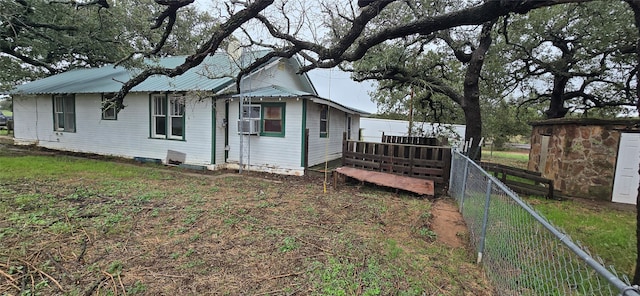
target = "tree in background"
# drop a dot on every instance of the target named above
(504, 120)
(41, 38)
(431, 71)
(575, 58)
(5, 103)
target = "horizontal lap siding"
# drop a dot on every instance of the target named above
(128, 136)
(276, 154)
(325, 149)
(220, 131)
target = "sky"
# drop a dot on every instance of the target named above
(336, 85)
(333, 84)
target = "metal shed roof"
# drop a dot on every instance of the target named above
(212, 74)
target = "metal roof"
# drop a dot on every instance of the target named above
(213, 74)
(273, 91)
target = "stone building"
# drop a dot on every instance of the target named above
(581, 156)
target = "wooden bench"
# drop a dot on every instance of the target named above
(541, 186)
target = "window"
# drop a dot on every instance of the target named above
(167, 116)
(249, 123)
(269, 115)
(251, 112)
(109, 107)
(324, 121)
(273, 119)
(176, 116)
(64, 113)
(158, 117)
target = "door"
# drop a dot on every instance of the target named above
(625, 182)
(544, 151)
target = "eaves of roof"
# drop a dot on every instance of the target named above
(280, 92)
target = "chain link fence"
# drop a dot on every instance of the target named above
(521, 252)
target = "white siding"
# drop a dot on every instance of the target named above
(326, 149)
(220, 131)
(279, 73)
(128, 136)
(270, 154)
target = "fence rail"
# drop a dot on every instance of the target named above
(417, 161)
(537, 186)
(521, 252)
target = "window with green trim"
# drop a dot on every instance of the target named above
(272, 118)
(64, 113)
(167, 116)
(324, 121)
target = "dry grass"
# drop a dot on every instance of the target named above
(89, 227)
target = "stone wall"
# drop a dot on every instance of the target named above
(580, 156)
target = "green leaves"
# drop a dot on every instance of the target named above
(579, 55)
(40, 38)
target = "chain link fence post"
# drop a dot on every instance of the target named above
(522, 253)
(485, 221)
(464, 184)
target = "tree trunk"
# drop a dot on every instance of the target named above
(560, 78)
(471, 102)
(473, 129)
(556, 105)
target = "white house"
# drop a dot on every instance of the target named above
(197, 118)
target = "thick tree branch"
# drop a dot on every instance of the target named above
(402, 76)
(10, 51)
(170, 11)
(331, 57)
(352, 45)
(77, 4)
(457, 47)
(225, 30)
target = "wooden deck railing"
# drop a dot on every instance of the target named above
(417, 161)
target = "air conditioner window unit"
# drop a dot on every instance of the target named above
(249, 127)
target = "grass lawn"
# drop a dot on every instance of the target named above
(77, 226)
(606, 230)
(518, 159)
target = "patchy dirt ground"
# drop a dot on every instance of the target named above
(448, 224)
(88, 227)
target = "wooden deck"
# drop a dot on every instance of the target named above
(414, 161)
(415, 185)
